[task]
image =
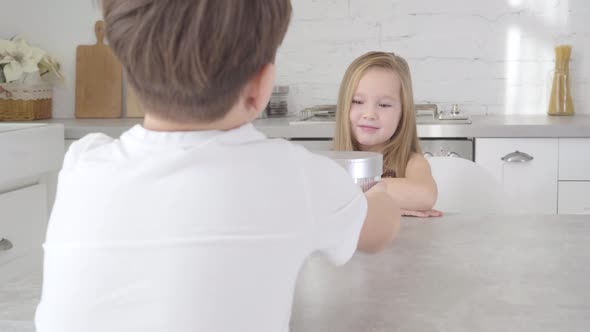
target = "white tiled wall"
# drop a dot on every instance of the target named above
(489, 56)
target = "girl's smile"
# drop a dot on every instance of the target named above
(368, 129)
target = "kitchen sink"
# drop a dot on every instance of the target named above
(429, 120)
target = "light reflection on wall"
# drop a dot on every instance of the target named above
(512, 69)
(529, 54)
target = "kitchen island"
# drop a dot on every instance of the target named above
(457, 273)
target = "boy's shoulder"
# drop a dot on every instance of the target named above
(84, 144)
(89, 142)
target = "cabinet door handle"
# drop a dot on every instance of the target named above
(517, 157)
(453, 154)
(5, 245)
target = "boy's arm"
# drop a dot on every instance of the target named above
(417, 191)
(382, 220)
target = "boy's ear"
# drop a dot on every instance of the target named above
(258, 90)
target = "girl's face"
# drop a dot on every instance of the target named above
(376, 109)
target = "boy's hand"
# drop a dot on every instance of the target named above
(422, 214)
(379, 187)
(382, 221)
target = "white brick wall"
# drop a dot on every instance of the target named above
(489, 56)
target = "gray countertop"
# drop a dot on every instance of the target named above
(457, 273)
(482, 126)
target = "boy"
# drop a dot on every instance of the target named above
(195, 221)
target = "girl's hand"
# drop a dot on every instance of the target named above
(422, 214)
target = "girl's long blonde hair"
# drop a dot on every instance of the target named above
(404, 142)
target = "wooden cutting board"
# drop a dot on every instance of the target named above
(132, 106)
(98, 79)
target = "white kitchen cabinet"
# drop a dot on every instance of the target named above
(574, 159)
(527, 168)
(574, 176)
(574, 197)
(30, 156)
(24, 217)
(28, 152)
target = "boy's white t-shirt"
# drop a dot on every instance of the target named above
(190, 231)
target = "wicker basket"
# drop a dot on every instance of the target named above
(25, 102)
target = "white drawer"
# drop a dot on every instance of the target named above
(27, 153)
(574, 159)
(574, 197)
(23, 218)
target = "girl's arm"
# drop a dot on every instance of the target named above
(417, 191)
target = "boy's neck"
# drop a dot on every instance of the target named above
(153, 123)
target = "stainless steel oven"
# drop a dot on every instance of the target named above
(447, 147)
(427, 114)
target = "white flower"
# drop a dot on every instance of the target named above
(19, 58)
(4, 45)
(48, 65)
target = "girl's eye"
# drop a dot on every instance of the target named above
(354, 101)
(384, 105)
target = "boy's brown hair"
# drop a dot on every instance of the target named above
(189, 59)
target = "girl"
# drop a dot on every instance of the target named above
(375, 112)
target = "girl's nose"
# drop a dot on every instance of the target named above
(369, 113)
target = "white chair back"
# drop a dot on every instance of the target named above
(465, 187)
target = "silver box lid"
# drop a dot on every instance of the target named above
(359, 164)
